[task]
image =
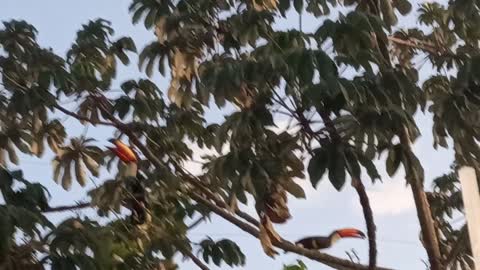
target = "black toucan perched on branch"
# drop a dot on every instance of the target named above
(136, 202)
(322, 242)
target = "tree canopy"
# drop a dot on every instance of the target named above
(348, 92)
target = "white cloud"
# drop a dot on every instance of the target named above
(392, 197)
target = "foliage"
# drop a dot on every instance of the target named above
(222, 250)
(348, 91)
(447, 209)
(298, 266)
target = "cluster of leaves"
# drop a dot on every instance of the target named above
(222, 250)
(447, 209)
(298, 266)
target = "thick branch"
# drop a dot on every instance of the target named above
(424, 212)
(196, 223)
(416, 44)
(421, 45)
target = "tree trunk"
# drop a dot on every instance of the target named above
(424, 213)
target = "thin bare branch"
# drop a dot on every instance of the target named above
(362, 194)
(67, 207)
(82, 118)
(196, 222)
(194, 258)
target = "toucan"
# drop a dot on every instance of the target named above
(323, 242)
(138, 202)
(123, 151)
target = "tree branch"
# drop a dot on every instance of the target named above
(194, 258)
(196, 223)
(67, 207)
(418, 44)
(368, 215)
(82, 118)
(424, 212)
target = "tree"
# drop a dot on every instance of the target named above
(227, 53)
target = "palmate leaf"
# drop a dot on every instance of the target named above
(223, 250)
(395, 157)
(54, 133)
(149, 10)
(147, 101)
(109, 196)
(336, 168)
(77, 156)
(12, 137)
(70, 240)
(338, 160)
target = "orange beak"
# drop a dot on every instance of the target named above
(125, 153)
(350, 232)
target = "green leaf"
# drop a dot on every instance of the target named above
(295, 189)
(393, 160)
(336, 168)
(298, 4)
(217, 255)
(403, 6)
(317, 165)
(414, 164)
(370, 167)
(6, 231)
(283, 6)
(388, 13)
(17, 174)
(352, 163)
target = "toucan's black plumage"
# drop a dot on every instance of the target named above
(322, 242)
(138, 201)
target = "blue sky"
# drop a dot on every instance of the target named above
(324, 210)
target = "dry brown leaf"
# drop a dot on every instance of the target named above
(160, 29)
(233, 204)
(53, 145)
(184, 65)
(80, 172)
(276, 207)
(261, 5)
(2, 157)
(267, 234)
(245, 99)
